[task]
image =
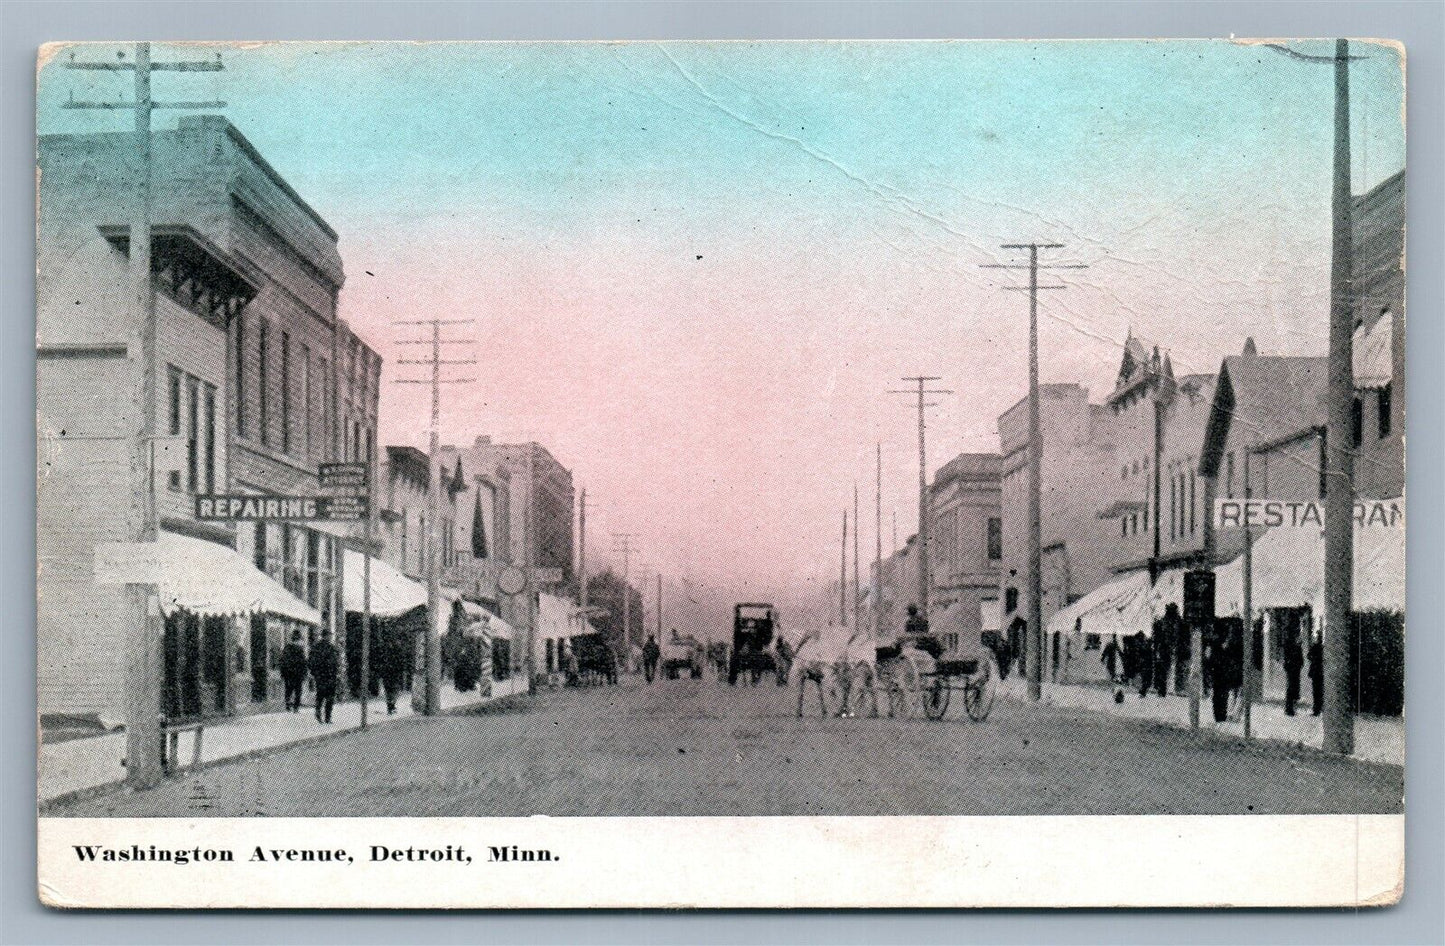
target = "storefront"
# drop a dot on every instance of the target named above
(216, 606)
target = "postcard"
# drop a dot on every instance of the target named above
(721, 474)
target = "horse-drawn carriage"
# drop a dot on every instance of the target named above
(908, 675)
(754, 626)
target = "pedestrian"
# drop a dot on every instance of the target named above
(1143, 663)
(1164, 633)
(650, 654)
(1294, 661)
(1110, 658)
(1317, 674)
(293, 671)
(1223, 656)
(325, 666)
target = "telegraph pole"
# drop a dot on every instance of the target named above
(582, 551)
(623, 545)
(431, 645)
(1339, 721)
(923, 576)
(843, 574)
(143, 716)
(1036, 593)
(659, 604)
(877, 592)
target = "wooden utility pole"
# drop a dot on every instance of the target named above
(857, 588)
(143, 713)
(624, 546)
(1035, 646)
(582, 551)
(1339, 720)
(877, 592)
(843, 574)
(431, 643)
(921, 393)
(659, 604)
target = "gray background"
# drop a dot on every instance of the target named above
(1420, 25)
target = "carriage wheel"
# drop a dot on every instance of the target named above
(935, 699)
(978, 693)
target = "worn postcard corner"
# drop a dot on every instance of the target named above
(824, 474)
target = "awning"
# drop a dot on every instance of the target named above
(494, 627)
(216, 581)
(1118, 609)
(392, 593)
(1289, 570)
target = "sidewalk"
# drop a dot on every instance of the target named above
(81, 764)
(1377, 738)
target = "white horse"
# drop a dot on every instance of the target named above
(842, 662)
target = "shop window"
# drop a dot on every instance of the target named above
(173, 401)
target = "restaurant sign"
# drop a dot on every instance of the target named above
(1304, 514)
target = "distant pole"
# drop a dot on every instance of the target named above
(431, 643)
(877, 594)
(623, 545)
(1339, 721)
(366, 582)
(920, 393)
(843, 575)
(582, 551)
(857, 588)
(659, 604)
(144, 762)
(1246, 692)
(1035, 643)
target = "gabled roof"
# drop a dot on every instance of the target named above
(1271, 397)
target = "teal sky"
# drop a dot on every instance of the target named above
(841, 196)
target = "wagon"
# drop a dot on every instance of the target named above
(916, 671)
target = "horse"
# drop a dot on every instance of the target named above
(848, 665)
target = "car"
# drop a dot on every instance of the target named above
(682, 655)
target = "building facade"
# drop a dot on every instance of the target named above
(1079, 475)
(246, 277)
(965, 535)
(1378, 287)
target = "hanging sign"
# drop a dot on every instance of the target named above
(251, 508)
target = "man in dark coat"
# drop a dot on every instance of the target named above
(1317, 675)
(650, 655)
(1294, 661)
(1221, 674)
(1110, 658)
(1143, 662)
(325, 667)
(293, 671)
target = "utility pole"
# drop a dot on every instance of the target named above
(857, 589)
(582, 551)
(659, 604)
(843, 574)
(431, 644)
(1339, 721)
(143, 715)
(1035, 645)
(877, 593)
(922, 391)
(623, 545)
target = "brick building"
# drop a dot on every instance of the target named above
(254, 374)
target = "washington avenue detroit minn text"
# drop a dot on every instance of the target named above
(375, 853)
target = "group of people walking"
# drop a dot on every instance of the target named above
(1146, 662)
(323, 663)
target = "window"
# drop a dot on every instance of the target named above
(326, 431)
(1010, 599)
(1382, 407)
(306, 405)
(404, 519)
(193, 445)
(262, 343)
(209, 454)
(240, 374)
(995, 538)
(1173, 506)
(1357, 421)
(355, 440)
(1191, 502)
(1123, 525)
(174, 418)
(1146, 515)
(285, 392)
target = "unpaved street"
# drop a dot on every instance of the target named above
(698, 747)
